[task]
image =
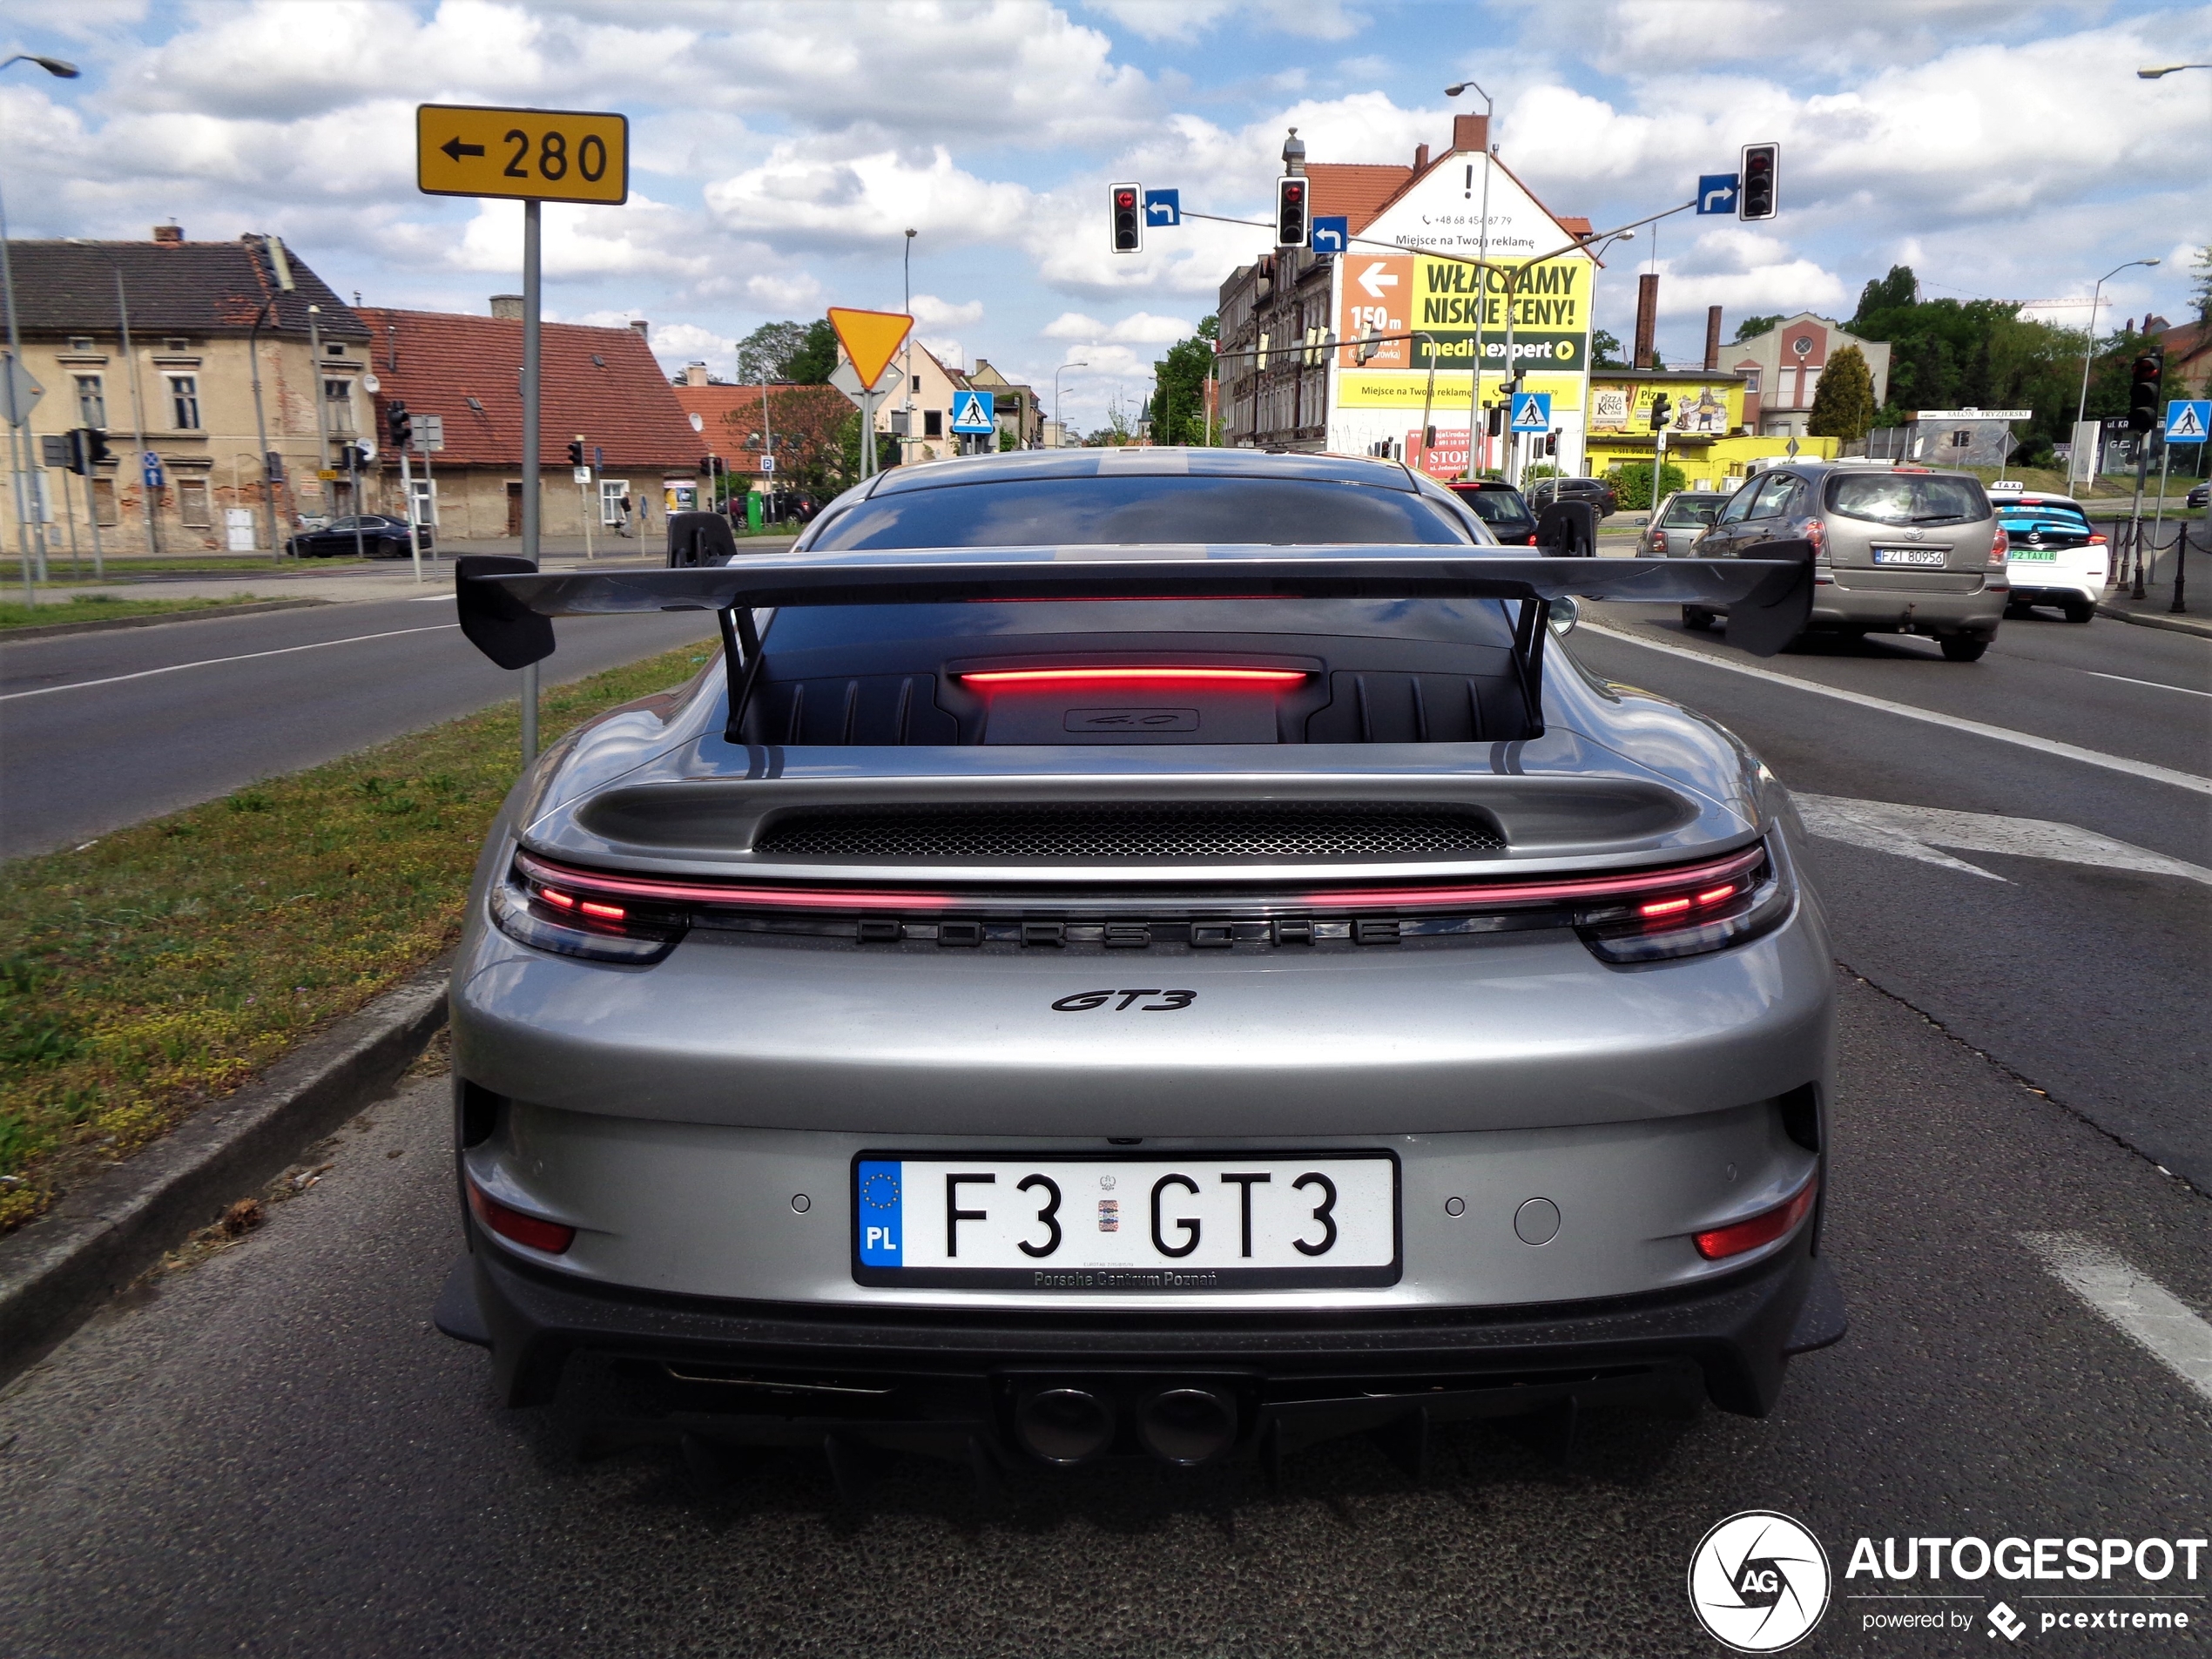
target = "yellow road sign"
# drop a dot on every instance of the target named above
(870, 338)
(542, 155)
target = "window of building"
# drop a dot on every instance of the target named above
(192, 503)
(611, 494)
(338, 405)
(177, 342)
(92, 402)
(104, 502)
(80, 342)
(932, 423)
(1751, 380)
(426, 501)
(184, 402)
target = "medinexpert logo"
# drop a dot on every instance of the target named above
(1758, 1581)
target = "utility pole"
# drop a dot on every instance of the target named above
(19, 442)
(584, 486)
(907, 363)
(1481, 286)
(532, 210)
(322, 407)
(282, 270)
(138, 416)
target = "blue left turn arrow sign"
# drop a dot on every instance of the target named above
(1163, 207)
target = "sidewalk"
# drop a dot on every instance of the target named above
(2155, 609)
(388, 579)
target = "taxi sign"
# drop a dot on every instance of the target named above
(870, 339)
(526, 155)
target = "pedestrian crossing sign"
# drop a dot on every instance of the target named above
(1531, 411)
(974, 412)
(2187, 418)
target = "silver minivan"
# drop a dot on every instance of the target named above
(1902, 551)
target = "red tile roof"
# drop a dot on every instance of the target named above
(1357, 189)
(602, 382)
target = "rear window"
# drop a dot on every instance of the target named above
(1139, 511)
(2048, 516)
(1908, 498)
(1496, 507)
(1689, 512)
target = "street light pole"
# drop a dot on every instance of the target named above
(19, 449)
(1482, 281)
(906, 361)
(1058, 419)
(2089, 351)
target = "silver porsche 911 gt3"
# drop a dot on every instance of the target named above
(1141, 952)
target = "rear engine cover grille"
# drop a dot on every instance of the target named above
(1077, 832)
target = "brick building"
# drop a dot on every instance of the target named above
(602, 383)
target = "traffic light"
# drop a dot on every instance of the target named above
(1551, 443)
(576, 452)
(2144, 382)
(1292, 223)
(87, 449)
(1755, 194)
(398, 424)
(1496, 419)
(1661, 406)
(1128, 209)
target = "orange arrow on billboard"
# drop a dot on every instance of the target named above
(870, 339)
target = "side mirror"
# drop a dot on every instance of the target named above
(1565, 613)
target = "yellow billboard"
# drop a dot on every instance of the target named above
(1368, 388)
(1711, 408)
(1414, 293)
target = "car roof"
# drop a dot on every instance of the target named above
(1148, 461)
(1476, 485)
(2040, 498)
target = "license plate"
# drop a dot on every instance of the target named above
(2035, 555)
(1111, 1224)
(1908, 555)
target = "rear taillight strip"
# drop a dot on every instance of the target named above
(1579, 890)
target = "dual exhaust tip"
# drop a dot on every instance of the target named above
(1185, 1424)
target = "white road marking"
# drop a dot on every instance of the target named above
(2187, 780)
(2136, 1302)
(1916, 832)
(432, 599)
(2159, 685)
(216, 662)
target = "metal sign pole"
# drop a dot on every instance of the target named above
(530, 297)
(407, 497)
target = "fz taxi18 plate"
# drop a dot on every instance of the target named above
(1109, 1223)
(1908, 555)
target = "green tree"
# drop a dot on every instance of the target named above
(1178, 407)
(816, 358)
(1605, 350)
(1752, 327)
(1899, 288)
(765, 354)
(1842, 404)
(2200, 293)
(1632, 484)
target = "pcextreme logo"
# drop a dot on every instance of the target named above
(1758, 1581)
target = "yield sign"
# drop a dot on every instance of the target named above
(870, 339)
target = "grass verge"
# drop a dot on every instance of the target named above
(160, 968)
(99, 607)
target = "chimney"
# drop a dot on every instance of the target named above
(1420, 157)
(169, 235)
(507, 306)
(1471, 132)
(1647, 319)
(695, 374)
(1712, 338)
(645, 329)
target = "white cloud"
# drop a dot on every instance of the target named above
(1141, 326)
(806, 198)
(931, 312)
(796, 292)
(1182, 20)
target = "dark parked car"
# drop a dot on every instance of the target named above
(2200, 496)
(1502, 507)
(380, 537)
(1543, 492)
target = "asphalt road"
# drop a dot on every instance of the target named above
(94, 737)
(274, 1453)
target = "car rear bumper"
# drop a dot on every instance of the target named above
(949, 1383)
(1846, 603)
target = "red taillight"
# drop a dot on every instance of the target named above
(1662, 908)
(1999, 547)
(555, 896)
(1734, 1240)
(1658, 541)
(532, 1230)
(604, 912)
(2097, 539)
(1081, 675)
(1714, 895)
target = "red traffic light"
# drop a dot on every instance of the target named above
(1125, 198)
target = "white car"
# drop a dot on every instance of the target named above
(2055, 556)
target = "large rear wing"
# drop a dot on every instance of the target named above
(506, 604)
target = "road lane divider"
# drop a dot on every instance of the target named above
(216, 662)
(2187, 780)
(2131, 1299)
(2156, 685)
(1916, 832)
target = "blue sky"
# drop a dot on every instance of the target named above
(782, 147)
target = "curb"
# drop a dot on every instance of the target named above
(56, 1270)
(101, 624)
(2152, 619)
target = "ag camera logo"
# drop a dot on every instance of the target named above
(1758, 1581)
